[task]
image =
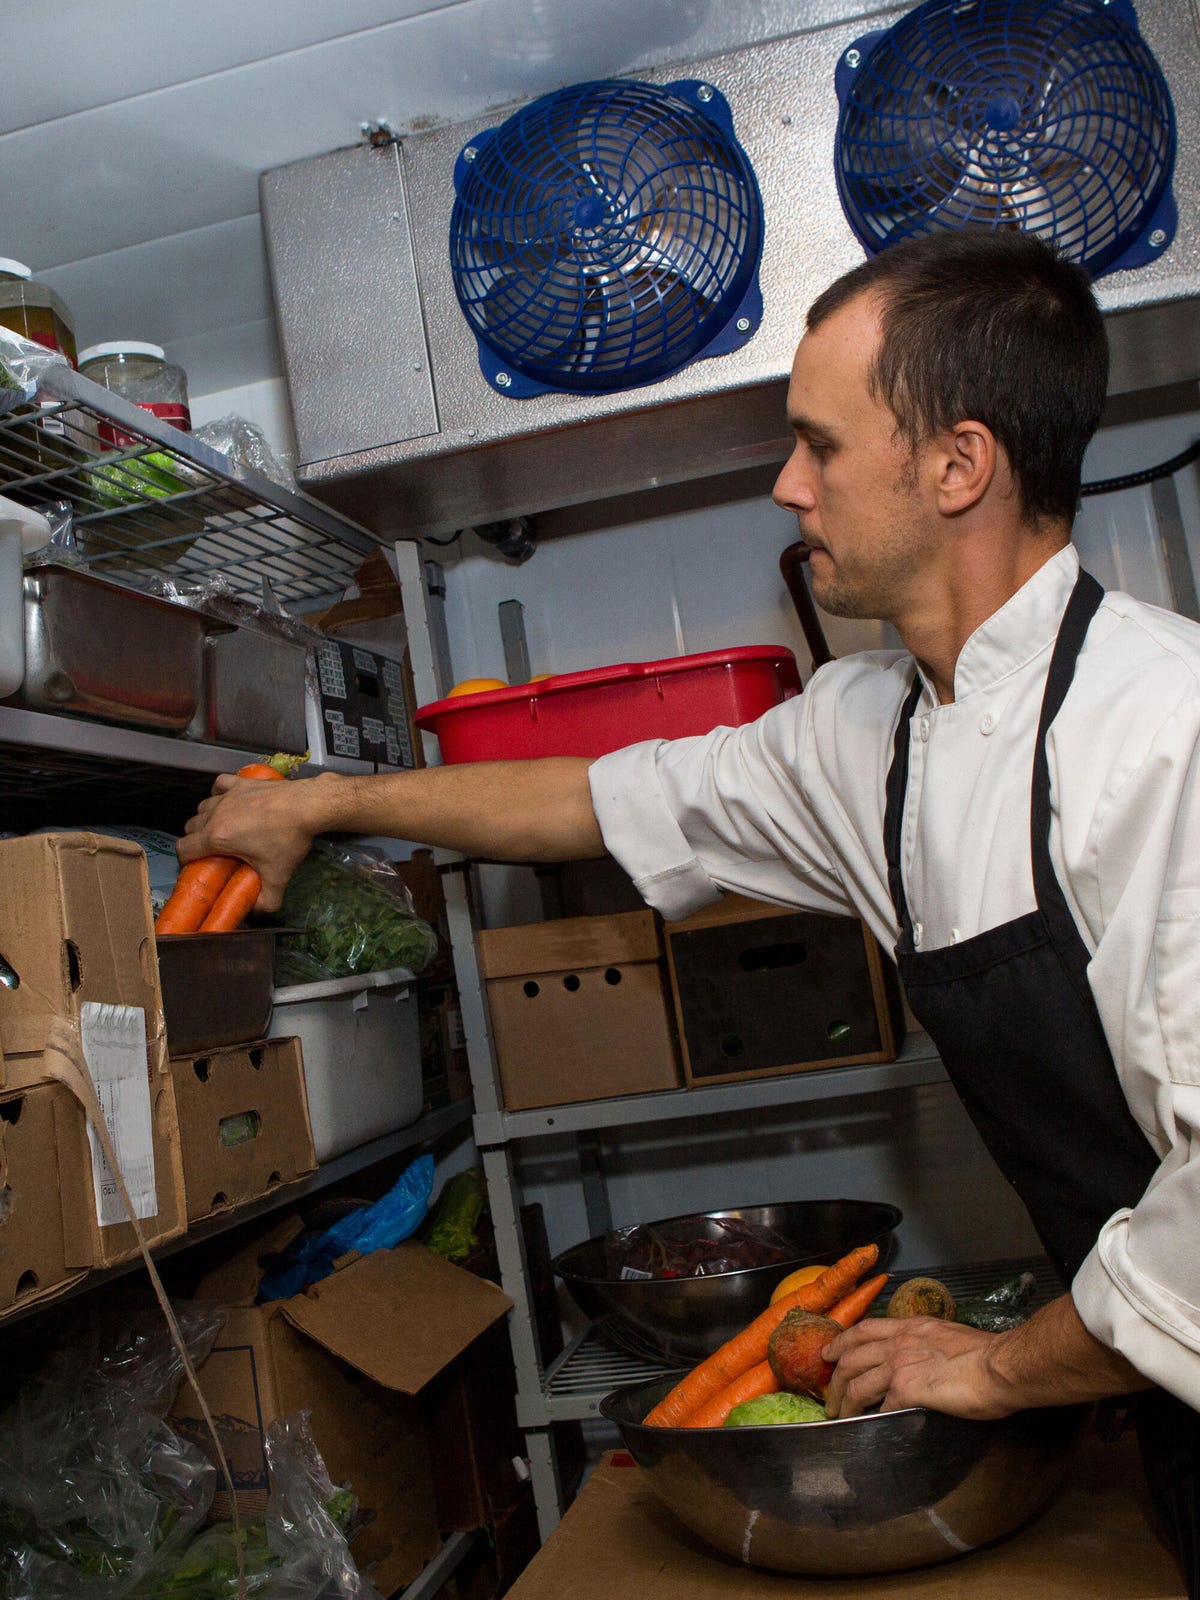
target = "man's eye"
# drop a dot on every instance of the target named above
(818, 450)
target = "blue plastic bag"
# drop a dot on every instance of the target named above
(310, 1258)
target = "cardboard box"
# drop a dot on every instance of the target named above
(89, 1243)
(760, 991)
(579, 1009)
(1094, 1543)
(75, 925)
(33, 1256)
(354, 1350)
(471, 1415)
(243, 1123)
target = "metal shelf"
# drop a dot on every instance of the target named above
(589, 1368)
(433, 1126)
(918, 1063)
(159, 502)
(431, 1579)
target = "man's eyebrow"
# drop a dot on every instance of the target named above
(806, 425)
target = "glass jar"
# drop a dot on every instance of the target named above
(140, 373)
(34, 310)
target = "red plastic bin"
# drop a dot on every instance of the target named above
(591, 713)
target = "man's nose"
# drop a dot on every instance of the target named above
(793, 486)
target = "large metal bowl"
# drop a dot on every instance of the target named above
(685, 1319)
(862, 1494)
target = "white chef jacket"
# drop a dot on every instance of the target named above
(789, 809)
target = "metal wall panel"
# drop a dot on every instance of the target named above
(497, 457)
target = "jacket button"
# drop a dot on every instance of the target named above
(987, 722)
(924, 729)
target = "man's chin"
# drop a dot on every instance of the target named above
(841, 601)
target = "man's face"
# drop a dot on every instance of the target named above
(854, 485)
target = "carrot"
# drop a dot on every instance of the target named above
(853, 1306)
(233, 903)
(747, 1348)
(196, 888)
(758, 1381)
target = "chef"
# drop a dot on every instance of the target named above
(1012, 802)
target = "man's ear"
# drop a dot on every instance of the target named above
(967, 461)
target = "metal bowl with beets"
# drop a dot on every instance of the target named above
(683, 1319)
(878, 1493)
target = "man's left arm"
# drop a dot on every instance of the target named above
(919, 1361)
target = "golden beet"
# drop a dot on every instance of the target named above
(794, 1352)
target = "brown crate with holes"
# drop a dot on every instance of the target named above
(243, 1123)
(760, 990)
(580, 1009)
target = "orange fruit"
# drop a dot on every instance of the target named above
(476, 686)
(794, 1280)
(540, 677)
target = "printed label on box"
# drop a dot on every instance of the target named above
(114, 1047)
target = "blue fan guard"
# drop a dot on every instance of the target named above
(1052, 116)
(606, 236)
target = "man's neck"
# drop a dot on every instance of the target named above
(981, 579)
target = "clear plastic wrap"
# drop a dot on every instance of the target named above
(354, 913)
(95, 1490)
(23, 363)
(245, 448)
(100, 1500)
(694, 1248)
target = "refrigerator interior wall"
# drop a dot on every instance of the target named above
(701, 579)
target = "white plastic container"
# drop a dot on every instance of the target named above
(362, 1055)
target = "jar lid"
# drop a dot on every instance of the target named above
(122, 347)
(16, 269)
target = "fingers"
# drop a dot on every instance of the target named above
(861, 1377)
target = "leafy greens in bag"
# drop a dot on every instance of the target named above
(354, 914)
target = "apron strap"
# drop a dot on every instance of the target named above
(893, 825)
(1081, 608)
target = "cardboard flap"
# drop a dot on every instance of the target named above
(398, 1316)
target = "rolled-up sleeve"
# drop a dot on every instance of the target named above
(690, 819)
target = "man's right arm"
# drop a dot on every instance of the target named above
(497, 810)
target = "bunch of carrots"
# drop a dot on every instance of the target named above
(740, 1371)
(215, 894)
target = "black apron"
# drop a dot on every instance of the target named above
(1015, 1023)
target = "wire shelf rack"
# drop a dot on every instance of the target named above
(592, 1365)
(150, 501)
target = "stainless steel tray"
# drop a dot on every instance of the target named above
(98, 649)
(253, 692)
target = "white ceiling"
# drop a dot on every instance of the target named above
(134, 132)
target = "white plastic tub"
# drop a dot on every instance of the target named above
(362, 1055)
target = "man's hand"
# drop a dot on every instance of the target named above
(1050, 1360)
(269, 825)
(914, 1361)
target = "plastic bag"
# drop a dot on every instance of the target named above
(694, 1247)
(101, 1500)
(354, 913)
(95, 1488)
(380, 1226)
(23, 362)
(245, 448)
(297, 1552)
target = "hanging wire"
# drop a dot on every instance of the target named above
(1137, 480)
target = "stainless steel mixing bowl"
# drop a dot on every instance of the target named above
(863, 1494)
(685, 1319)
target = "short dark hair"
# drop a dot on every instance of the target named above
(995, 327)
